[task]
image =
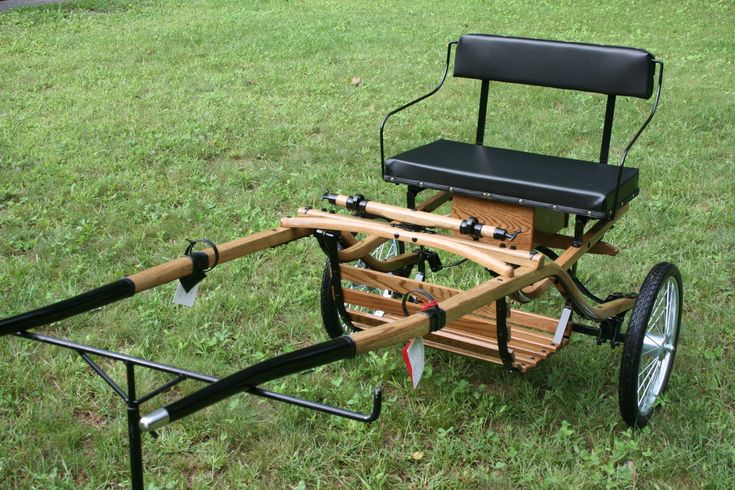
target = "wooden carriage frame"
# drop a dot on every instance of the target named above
(371, 302)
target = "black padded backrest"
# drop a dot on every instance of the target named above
(608, 70)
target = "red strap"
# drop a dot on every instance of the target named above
(429, 305)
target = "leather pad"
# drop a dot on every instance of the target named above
(564, 184)
(608, 70)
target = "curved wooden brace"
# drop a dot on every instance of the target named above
(515, 257)
(366, 226)
(572, 254)
(367, 245)
(359, 249)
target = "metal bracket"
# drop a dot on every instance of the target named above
(329, 243)
(503, 334)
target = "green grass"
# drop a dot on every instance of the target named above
(127, 126)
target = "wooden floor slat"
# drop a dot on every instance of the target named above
(465, 337)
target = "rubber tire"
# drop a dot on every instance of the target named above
(630, 362)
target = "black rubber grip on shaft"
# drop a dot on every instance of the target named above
(292, 362)
(90, 300)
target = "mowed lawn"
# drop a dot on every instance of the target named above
(126, 127)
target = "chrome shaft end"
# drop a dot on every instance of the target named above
(154, 420)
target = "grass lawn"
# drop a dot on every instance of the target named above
(126, 127)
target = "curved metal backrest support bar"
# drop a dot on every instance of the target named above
(638, 133)
(409, 104)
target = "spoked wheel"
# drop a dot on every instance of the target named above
(650, 344)
(331, 319)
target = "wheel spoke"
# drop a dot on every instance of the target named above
(645, 372)
(643, 390)
(653, 376)
(656, 312)
(652, 338)
(654, 322)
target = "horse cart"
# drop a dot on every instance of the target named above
(522, 219)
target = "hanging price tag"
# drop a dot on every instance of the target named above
(413, 356)
(182, 297)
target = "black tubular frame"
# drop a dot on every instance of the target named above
(638, 133)
(482, 112)
(607, 128)
(409, 104)
(133, 401)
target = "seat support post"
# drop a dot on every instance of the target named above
(482, 113)
(607, 129)
(579, 224)
(411, 194)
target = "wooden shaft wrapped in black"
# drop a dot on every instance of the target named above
(90, 300)
(292, 362)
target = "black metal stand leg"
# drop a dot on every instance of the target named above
(134, 441)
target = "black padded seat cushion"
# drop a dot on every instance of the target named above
(565, 184)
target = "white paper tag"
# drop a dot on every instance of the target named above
(183, 298)
(561, 327)
(413, 356)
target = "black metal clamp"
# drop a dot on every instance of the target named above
(429, 307)
(200, 263)
(472, 226)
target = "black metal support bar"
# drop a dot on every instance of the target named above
(637, 134)
(320, 407)
(411, 193)
(503, 334)
(161, 389)
(102, 374)
(117, 356)
(607, 129)
(134, 442)
(329, 243)
(600, 333)
(277, 367)
(579, 223)
(245, 380)
(585, 329)
(482, 113)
